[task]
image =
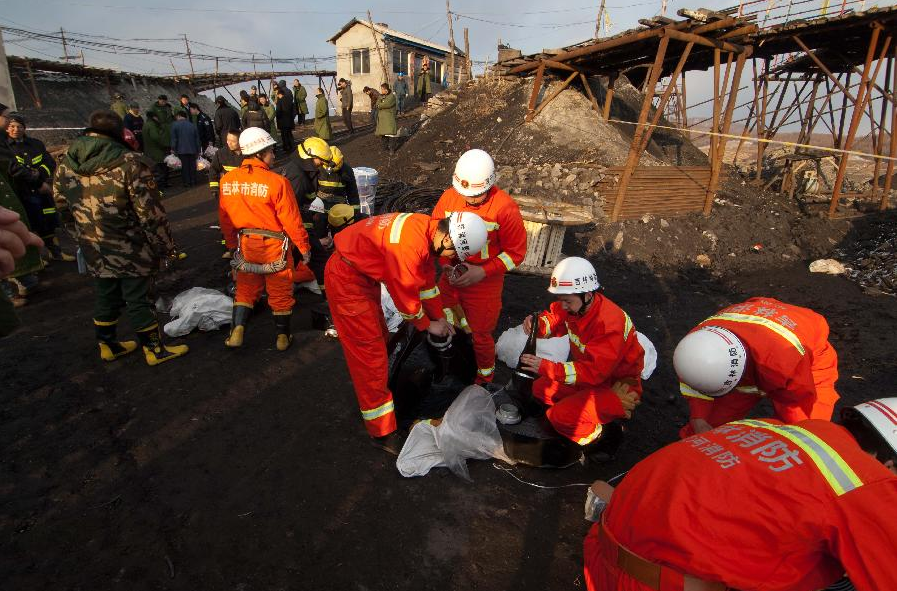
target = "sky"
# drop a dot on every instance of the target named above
(299, 31)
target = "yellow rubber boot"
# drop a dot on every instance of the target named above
(240, 316)
(284, 335)
(154, 350)
(110, 347)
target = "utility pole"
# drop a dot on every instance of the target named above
(65, 48)
(379, 51)
(467, 63)
(448, 14)
(189, 57)
(598, 20)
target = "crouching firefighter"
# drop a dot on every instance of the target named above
(259, 218)
(603, 381)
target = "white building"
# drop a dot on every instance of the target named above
(362, 53)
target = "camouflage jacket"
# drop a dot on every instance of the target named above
(109, 193)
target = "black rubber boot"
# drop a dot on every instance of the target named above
(284, 334)
(391, 443)
(239, 318)
(107, 338)
(154, 348)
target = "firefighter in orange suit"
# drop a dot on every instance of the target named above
(759, 348)
(478, 290)
(397, 250)
(603, 381)
(259, 217)
(755, 505)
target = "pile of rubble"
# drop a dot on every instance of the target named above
(571, 183)
(872, 261)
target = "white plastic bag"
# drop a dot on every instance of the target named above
(390, 312)
(172, 162)
(202, 164)
(210, 151)
(207, 309)
(650, 355)
(468, 430)
(511, 342)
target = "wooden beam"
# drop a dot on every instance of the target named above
(858, 108)
(590, 49)
(554, 94)
(711, 42)
(537, 86)
(658, 112)
(34, 93)
(889, 171)
(633, 157)
(822, 67)
(609, 97)
(585, 83)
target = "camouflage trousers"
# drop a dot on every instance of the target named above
(132, 293)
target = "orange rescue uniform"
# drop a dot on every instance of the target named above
(790, 361)
(253, 197)
(605, 350)
(394, 249)
(753, 505)
(505, 249)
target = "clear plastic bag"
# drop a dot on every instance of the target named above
(210, 152)
(511, 342)
(468, 431)
(202, 164)
(198, 307)
(172, 162)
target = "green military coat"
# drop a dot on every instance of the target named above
(386, 115)
(322, 119)
(301, 95)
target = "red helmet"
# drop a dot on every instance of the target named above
(131, 140)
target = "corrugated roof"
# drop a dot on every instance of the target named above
(399, 35)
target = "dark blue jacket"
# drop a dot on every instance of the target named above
(185, 138)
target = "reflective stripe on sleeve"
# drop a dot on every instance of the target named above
(331, 183)
(429, 294)
(376, 413)
(830, 464)
(591, 437)
(396, 231)
(49, 210)
(486, 372)
(420, 314)
(574, 338)
(690, 392)
(213, 183)
(37, 159)
(627, 328)
(46, 169)
(764, 322)
(229, 168)
(547, 325)
(569, 373)
(506, 260)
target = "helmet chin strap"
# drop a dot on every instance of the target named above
(585, 304)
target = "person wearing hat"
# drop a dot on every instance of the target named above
(163, 111)
(322, 117)
(300, 95)
(401, 91)
(346, 101)
(260, 219)
(226, 120)
(109, 194)
(118, 105)
(754, 505)
(31, 153)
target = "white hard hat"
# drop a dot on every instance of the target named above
(255, 139)
(474, 173)
(573, 275)
(468, 233)
(710, 360)
(317, 206)
(882, 415)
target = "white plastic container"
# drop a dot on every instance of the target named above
(366, 179)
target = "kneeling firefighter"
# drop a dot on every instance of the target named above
(259, 217)
(603, 381)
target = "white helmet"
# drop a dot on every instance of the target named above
(882, 415)
(710, 360)
(474, 173)
(317, 206)
(468, 233)
(573, 275)
(255, 139)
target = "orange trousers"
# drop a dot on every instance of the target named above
(257, 249)
(355, 309)
(736, 405)
(577, 413)
(481, 304)
(602, 573)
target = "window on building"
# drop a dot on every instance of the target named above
(361, 61)
(400, 60)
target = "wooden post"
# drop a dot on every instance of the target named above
(588, 89)
(889, 171)
(448, 14)
(377, 46)
(552, 96)
(537, 86)
(658, 112)
(879, 147)
(633, 157)
(598, 20)
(189, 56)
(717, 108)
(858, 108)
(847, 95)
(761, 120)
(34, 93)
(721, 148)
(467, 61)
(609, 97)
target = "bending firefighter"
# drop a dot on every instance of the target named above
(121, 227)
(603, 382)
(755, 505)
(397, 250)
(260, 218)
(478, 289)
(762, 348)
